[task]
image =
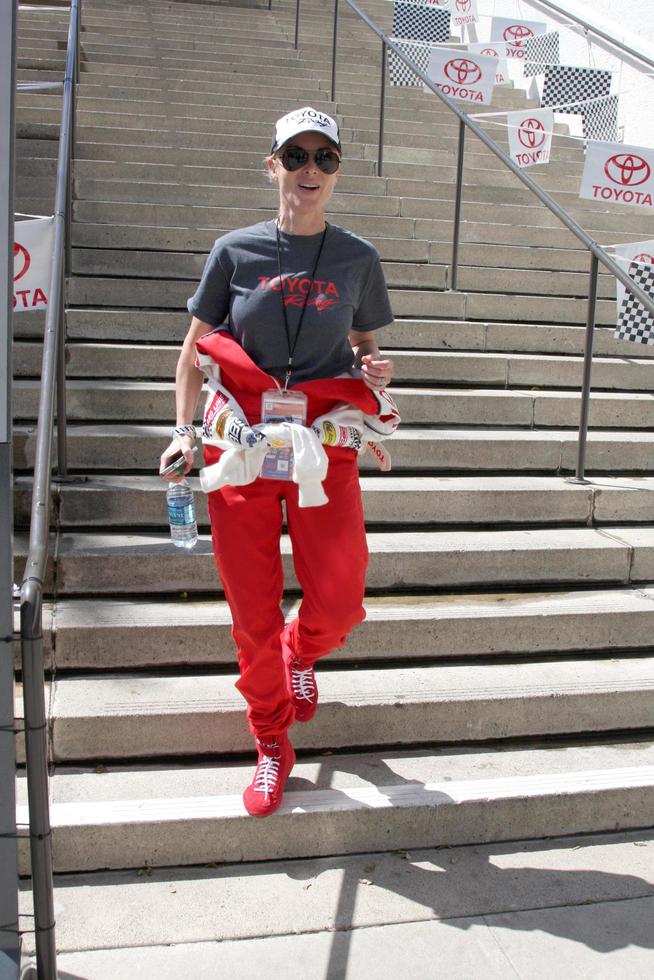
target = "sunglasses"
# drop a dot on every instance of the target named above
(295, 157)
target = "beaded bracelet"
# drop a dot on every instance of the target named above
(185, 430)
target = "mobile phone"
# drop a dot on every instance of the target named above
(177, 465)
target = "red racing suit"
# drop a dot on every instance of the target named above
(330, 553)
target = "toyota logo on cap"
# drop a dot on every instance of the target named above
(627, 169)
(531, 133)
(517, 34)
(20, 252)
(462, 71)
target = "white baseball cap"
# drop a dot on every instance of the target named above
(306, 120)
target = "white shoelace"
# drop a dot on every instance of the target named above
(267, 774)
(303, 683)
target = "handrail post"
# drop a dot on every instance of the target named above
(36, 749)
(62, 418)
(456, 230)
(334, 43)
(297, 23)
(382, 110)
(588, 366)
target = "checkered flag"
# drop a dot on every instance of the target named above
(635, 323)
(420, 22)
(541, 52)
(568, 83)
(600, 119)
(398, 72)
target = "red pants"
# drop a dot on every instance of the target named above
(330, 556)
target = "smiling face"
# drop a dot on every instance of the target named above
(304, 193)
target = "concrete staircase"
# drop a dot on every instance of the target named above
(502, 686)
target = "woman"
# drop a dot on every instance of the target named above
(303, 300)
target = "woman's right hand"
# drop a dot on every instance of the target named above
(180, 445)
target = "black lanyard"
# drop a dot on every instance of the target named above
(291, 348)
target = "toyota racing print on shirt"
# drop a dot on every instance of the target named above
(322, 293)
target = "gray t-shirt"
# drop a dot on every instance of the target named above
(240, 285)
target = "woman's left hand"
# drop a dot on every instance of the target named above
(376, 372)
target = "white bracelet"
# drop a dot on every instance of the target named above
(185, 430)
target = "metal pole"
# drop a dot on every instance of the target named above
(456, 231)
(297, 23)
(62, 444)
(334, 43)
(9, 936)
(382, 110)
(36, 745)
(588, 367)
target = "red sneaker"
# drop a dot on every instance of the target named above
(276, 759)
(302, 688)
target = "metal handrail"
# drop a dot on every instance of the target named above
(31, 593)
(465, 121)
(591, 29)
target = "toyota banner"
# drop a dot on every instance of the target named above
(464, 12)
(515, 34)
(494, 51)
(463, 76)
(618, 174)
(632, 253)
(33, 247)
(530, 136)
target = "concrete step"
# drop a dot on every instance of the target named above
(474, 229)
(480, 369)
(347, 804)
(403, 905)
(146, 562)
(100, 262)
(479, 184)
(93, 634)
(427, 450)
(162, 294)
(135, 501)
(127, 716)
(151, 401)
(487, 173)
(540, 281)
(155, 328)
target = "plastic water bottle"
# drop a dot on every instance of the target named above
(181, 515)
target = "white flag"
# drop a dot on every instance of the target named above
(530, 136)
(619, 174)
(464, 12)
(33, 246)
(461, 76)
(515, 31)
(638, 253)
(493, 51)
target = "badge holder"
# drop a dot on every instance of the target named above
(281, 406)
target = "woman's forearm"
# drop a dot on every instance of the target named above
(188, 378)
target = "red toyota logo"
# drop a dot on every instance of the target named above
(463, 5)
(627, 169)
(462, 71)
(517, 33)
(645, 258)
(531, 133)
(490, 51)
(20, 250)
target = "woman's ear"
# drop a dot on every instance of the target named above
(272, 168)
